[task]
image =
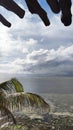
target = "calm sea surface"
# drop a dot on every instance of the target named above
(57, 91)
(63, 85)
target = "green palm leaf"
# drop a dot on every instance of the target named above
(18, 85)
(11, 86)
(28, 100)
(6, 88)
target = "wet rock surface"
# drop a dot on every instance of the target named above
(47, 122)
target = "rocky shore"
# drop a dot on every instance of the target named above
(41, 122)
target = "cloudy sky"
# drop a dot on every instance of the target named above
(29, 47)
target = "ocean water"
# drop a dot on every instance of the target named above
(56, 91)
(62, 85)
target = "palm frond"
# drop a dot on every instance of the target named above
(18, 85)
(28, 100)
(36, 99)
(11, 86)
(3, 100)
(7, 112)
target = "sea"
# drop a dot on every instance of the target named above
(56, 91)
(57, 85)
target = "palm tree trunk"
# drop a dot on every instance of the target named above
(8, 113)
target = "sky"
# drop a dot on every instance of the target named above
(29, 47)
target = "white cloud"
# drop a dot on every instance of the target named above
(54, 61)
(25, 50)
(31, 42)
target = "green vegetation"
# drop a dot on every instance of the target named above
(18, 86)
(11, 86)
(7, 87)
(31, 101)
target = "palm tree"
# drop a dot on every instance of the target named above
(12, 97)
(6, 88)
